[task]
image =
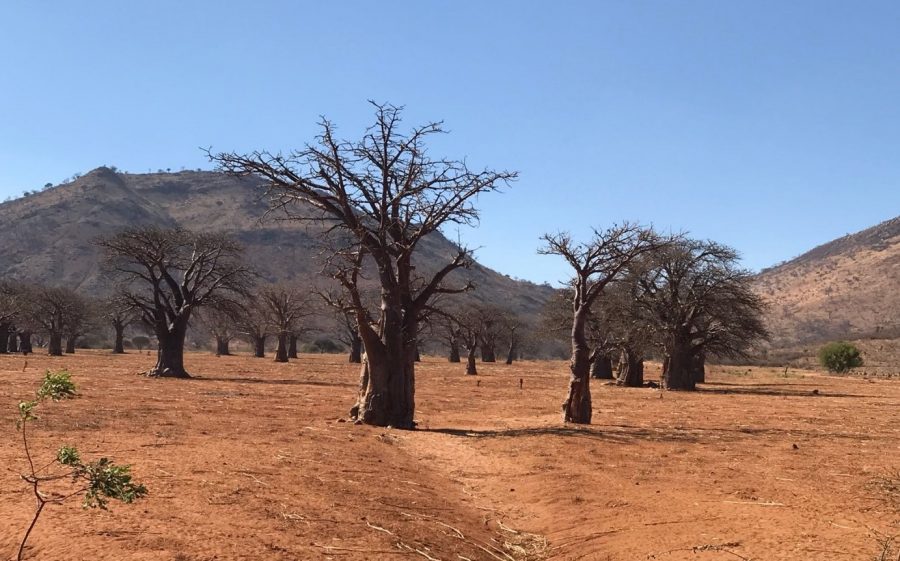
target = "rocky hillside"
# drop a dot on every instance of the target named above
(848, 288)
(48, 236)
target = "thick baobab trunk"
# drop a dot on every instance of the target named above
(259, 347)
(631, 369)
(355, 349)
(677, 367)
(223, 347)
(119, 340)
(601, 366)
(13, 345)
(170, 351)
(418, 355)
(698, 368)
(292, 346)
(577, 407)
(471, 369)
(454, 351)
(54, 345)
(388, 398)
(487, 352)
(70, 344)
(281, 354)
(25, 343)
(4, 338)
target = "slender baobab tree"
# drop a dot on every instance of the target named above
(596, 263)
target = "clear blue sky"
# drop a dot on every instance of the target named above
(771, 126)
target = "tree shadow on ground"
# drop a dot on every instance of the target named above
(630, 434)
(273, 381)
(774, 390)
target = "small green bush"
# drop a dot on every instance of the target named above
(840, 356)
(322, 345)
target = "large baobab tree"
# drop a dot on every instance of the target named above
(701, 303)
(383, 193)
(168, 274)
(596, 263)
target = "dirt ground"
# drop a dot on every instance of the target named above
(250, 460)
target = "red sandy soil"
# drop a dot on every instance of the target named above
(249, 460)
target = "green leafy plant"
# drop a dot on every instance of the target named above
(840, 356)
(98, 481)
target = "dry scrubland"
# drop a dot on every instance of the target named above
(250, 461)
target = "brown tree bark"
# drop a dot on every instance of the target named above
(281, 354)
(12, 345)
(119, 338)
(631, 369)
(388, 399)
(170, 350)
(223, 347)
(25, 343)
(577, 407)
(259, 347)
(471, 368)
(292, 346)
(70, 345)
(355, 349)
(601, 366)
(698, 368)
(678, 372)
(54, 345)
(4, 338)
(454, 352)
(487, 351)
(511, 353)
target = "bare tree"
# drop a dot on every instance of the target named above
(118, 313)
(470, 324)
(54, 311)
(169, 274)
(221, 321)
(80, 319)
(384, 193)
(596, 263)
(285, 305)
(255, 324)
(702, 304)
(450, 331)
(10, 303)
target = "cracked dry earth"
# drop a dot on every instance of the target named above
(248, 460)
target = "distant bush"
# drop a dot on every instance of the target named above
(140, 342)
(322, 345)
(840, 356)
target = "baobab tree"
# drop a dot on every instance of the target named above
(169, 274)
(53, 311)
(384, 193)
(470, 322)
(221, 321)
(119, 314)
(10, 302)
(255, 324)
(596, 263)
(285, 306)
(701, 304)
